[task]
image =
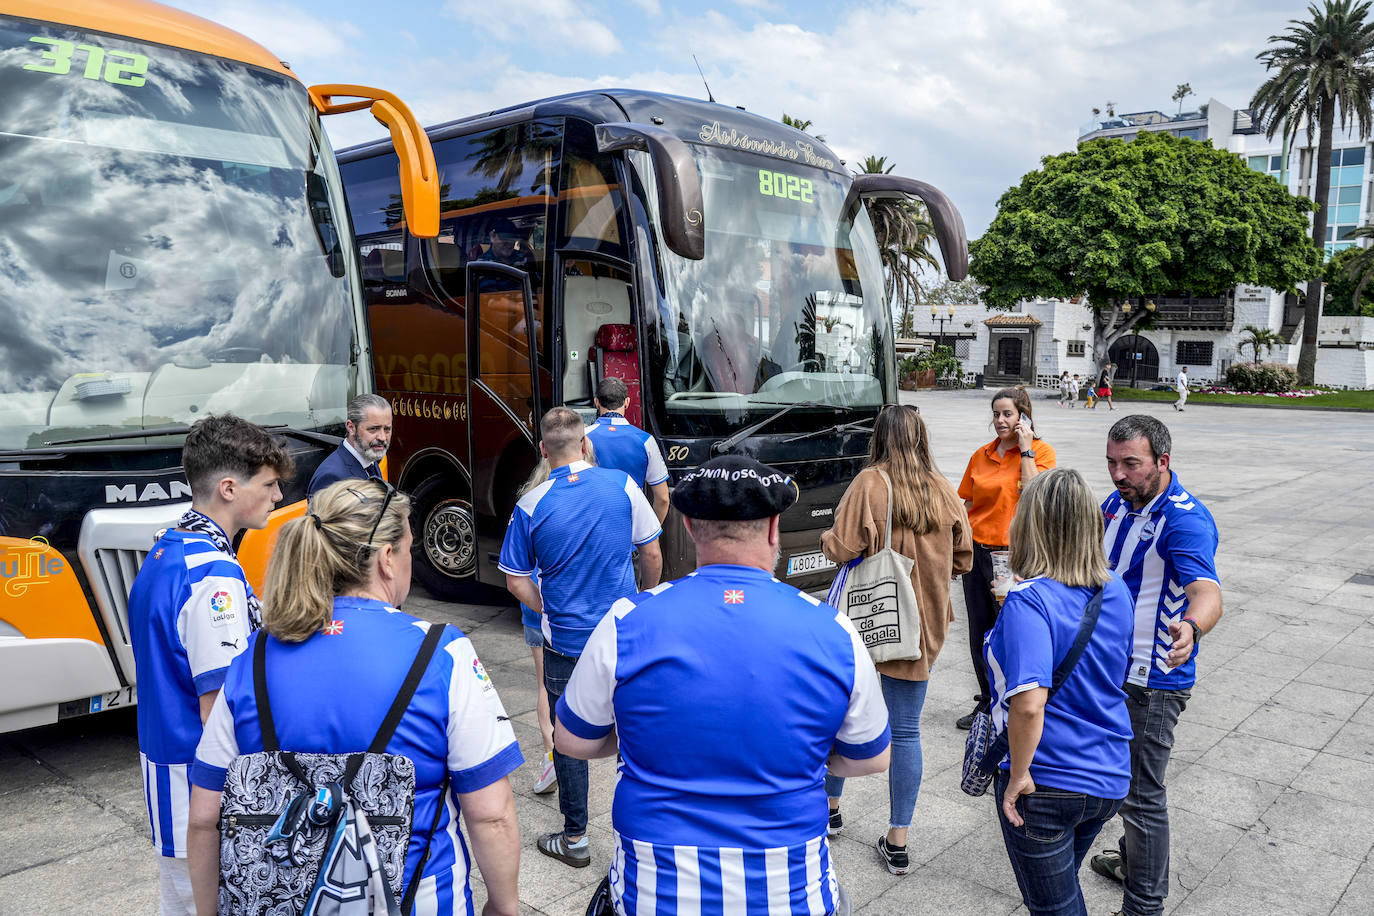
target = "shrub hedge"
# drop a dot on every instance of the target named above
(1261, 377)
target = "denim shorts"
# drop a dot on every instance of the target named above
(533, 637)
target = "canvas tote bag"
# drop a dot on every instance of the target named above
(875, 593)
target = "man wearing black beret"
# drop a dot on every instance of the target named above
(727, 694)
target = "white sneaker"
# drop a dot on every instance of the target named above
(548, 780)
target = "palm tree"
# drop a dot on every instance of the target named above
(1257, 337)
(799, 124)
(1321, 66)
(1361, 266)
(903, 230)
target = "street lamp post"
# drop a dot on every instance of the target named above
(935, 316)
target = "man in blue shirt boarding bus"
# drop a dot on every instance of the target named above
(621, 445)
(579, 528)
(726, 691)
(1162, 541)
(190, 612)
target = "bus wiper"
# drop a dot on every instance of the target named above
(857, 426)
(305, 434)
(123, 434)
(727, 445)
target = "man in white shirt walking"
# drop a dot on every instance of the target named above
(1182, 388)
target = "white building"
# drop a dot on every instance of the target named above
(1204, 334)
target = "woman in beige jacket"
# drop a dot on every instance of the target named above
(929, 525)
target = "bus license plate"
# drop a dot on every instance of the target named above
(113, 699)
(804, 563)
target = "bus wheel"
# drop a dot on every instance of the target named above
(445, 548)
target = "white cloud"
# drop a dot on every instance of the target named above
(290, 32)
(562, 26)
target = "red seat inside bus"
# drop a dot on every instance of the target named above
(615, 355)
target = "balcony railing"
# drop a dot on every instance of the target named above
(1209, 313)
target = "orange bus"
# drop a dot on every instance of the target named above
(175, 243)
(721, 263)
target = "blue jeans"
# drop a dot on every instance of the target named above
(1145, 811)
(904, 702)
(572, 774)
(1047, 850)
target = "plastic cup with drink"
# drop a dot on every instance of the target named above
(1001, 575)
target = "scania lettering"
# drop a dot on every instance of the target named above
(176, 244)
(720, 263)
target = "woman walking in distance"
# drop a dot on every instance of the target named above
(337, 649)
(991, 486)
(1064, 713)
(929, 525)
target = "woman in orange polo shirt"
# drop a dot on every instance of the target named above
(990, 489)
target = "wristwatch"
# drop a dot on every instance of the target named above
(1197, 630)
(1027, 453)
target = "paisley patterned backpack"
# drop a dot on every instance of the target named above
(313, 833)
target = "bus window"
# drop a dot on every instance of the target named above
(495, 192)
(591, 195)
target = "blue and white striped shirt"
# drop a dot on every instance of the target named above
(455, 724)
(621, 445)
(578, 529)
(727, 689)
(188, 619)
(1159, 551)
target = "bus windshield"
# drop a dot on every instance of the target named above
(786, 307)
(174, 242)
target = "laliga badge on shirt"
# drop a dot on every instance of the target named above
(481, 673)
(221, 609)
(734, 596)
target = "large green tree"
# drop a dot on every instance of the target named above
(1321, 67)
(1124, 221)
(1350, 279)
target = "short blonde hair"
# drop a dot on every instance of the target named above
(326, 552)
(1057, 531)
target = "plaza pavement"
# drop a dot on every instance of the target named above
(1272, 767)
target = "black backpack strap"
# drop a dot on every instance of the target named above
(408, 688)
(1080, 643)
(408, 897)
(265, 723)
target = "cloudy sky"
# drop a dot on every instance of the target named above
(965, 94)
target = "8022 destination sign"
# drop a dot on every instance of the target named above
(787, 187)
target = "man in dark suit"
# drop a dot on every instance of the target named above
(369, 435)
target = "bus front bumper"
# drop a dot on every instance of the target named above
(39, 676)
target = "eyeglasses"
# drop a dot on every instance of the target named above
(390, 492)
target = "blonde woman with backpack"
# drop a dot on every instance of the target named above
(930, 526)
(335, 655)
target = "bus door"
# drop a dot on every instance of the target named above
(503, 400)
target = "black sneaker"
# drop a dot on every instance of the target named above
(556, 846)
(836, 823)
(894, 857)
(965, 722)
(1108, 864)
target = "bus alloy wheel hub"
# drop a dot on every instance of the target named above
(450, 539)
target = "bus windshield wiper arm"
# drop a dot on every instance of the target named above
(307, 435)
(123, 434)
(852, 427)
(726, 445)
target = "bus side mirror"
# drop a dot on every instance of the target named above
(949, 225)
(419, 175)
(676, 177)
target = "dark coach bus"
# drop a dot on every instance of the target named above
(721, 263)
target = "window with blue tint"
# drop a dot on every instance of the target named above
(1352, 174)
(1275, 163)
(1345, 232)
(1349, 195)
(1353, 156)
(1348, 214)
(1257, 162)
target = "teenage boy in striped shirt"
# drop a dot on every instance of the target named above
(190, 612)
